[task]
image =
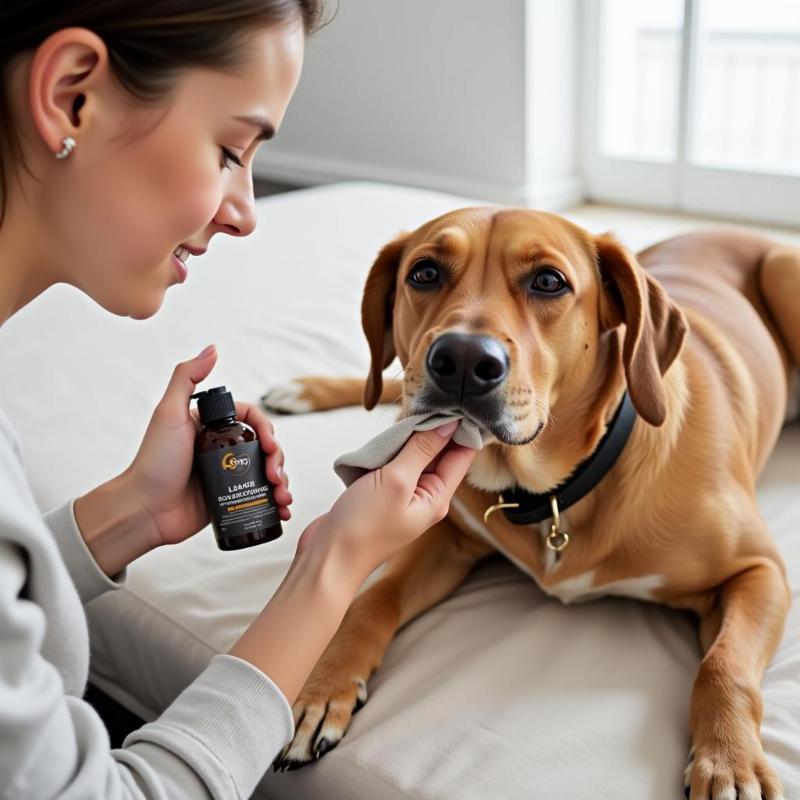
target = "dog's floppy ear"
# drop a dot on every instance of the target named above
(376, 315)
(655, 326)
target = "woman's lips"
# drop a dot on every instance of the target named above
(180, 267)
(180, 255)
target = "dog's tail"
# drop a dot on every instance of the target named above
(779, 279)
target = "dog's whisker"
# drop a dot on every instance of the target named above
(549, 416)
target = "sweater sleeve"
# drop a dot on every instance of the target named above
(229, 725)
(215, 740)
(89, 579)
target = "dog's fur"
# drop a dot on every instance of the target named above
(703, 332)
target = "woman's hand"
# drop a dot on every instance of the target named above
(161, 473)
(158, 500)
(388, 508)
(380, 513)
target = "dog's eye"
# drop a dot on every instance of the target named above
(548, 281)
(425, 273)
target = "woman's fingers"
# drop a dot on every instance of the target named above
(419, 451)
(254, 417)
(453, 466)
(431, 468)
(265, 430)
(451, 469)
(283, 497)
(275, 466)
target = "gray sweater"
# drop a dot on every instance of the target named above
(217, 738)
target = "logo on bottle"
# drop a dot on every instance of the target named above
(238, 465)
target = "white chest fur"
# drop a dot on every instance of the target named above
(582, 588)
(573, 590)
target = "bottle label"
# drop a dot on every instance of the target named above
(237, 494)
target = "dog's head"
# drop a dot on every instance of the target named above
(500, 314)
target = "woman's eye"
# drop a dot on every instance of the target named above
(229, 158)
(424, 273)
(548, 281)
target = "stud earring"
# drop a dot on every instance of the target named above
(68, 146)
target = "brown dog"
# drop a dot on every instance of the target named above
(535, 329)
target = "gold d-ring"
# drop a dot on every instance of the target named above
(502, 504)
(557, 539)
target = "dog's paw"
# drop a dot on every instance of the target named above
(287, 398)
(725, 772)
(322, 715)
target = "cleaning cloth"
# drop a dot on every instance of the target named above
(385, 446)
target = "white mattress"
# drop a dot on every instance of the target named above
(498, 692)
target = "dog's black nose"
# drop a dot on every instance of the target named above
(461, 364)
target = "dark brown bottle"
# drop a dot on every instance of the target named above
(230, 465)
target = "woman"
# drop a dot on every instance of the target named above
(126, 144)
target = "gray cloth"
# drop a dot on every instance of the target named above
(216, 739)
(385, 446)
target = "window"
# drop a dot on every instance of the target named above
(694, 105)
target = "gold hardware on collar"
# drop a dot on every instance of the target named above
(557, 539)
(497, 506)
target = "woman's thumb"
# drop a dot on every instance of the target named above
(422, 448)
(184, 380)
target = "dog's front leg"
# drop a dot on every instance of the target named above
(314, 393)
(739, 635)
(416, 578)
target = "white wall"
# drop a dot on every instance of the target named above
(473, 97)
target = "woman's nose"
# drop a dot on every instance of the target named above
(237, 212)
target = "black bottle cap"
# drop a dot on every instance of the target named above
(215, 404)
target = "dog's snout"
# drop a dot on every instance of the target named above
(463, 364)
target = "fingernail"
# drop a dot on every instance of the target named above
(447, 429)
(279, 470)
(206, 352)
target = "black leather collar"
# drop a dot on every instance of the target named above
(534, 508)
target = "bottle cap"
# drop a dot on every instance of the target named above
(215, 404)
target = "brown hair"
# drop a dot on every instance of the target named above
(148, 43)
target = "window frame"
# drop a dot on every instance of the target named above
(742, 194)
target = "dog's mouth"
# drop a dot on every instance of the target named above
(494, 422)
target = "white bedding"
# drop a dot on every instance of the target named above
(498, 692)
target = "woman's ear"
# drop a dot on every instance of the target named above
(66, 72)
(376, 315)
(654, 326)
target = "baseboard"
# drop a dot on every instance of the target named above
(311, 171)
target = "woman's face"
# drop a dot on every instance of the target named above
(144, 180)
